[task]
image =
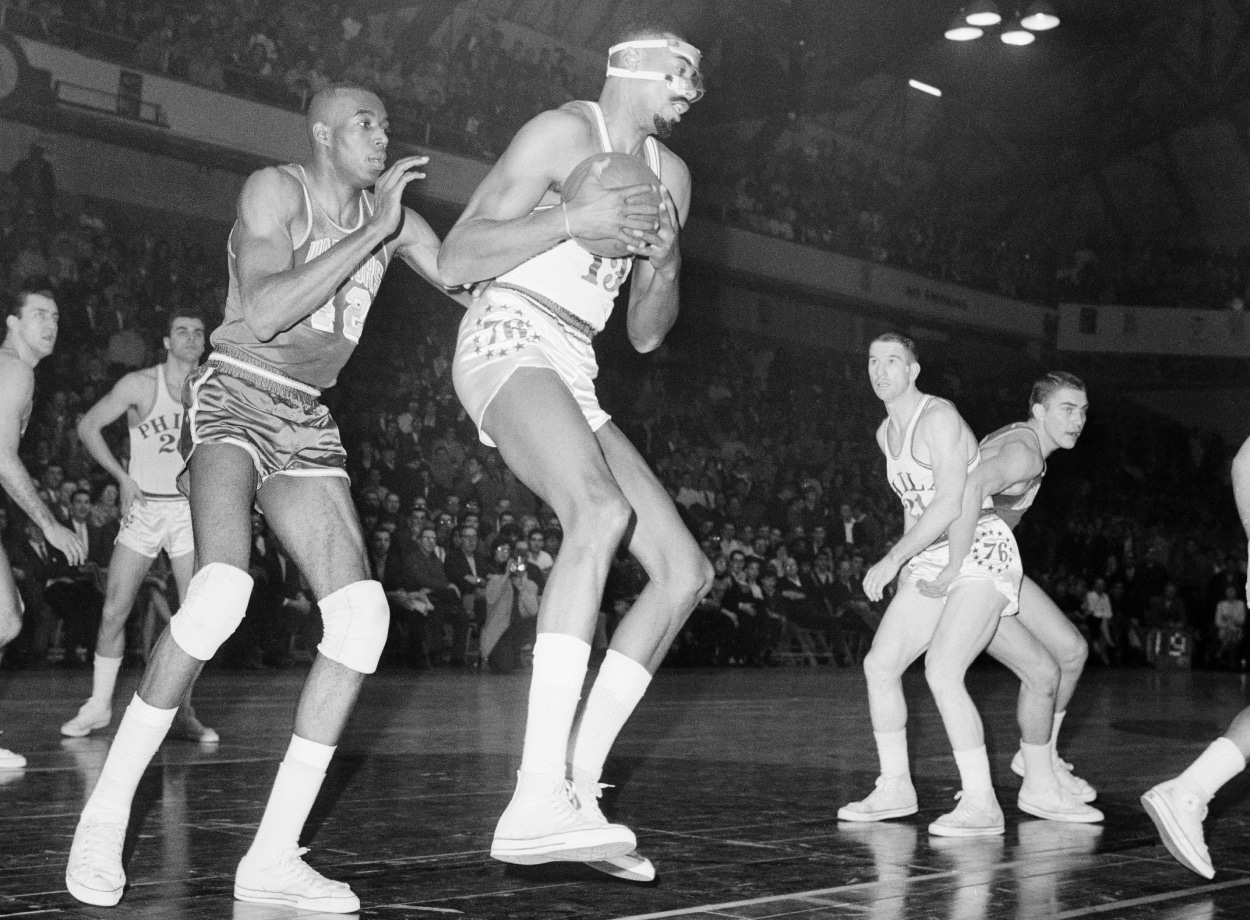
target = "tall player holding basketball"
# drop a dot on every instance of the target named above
(307, 254)
(1179, 805)
(524, 369)
(156, 515)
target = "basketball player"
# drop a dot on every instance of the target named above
(930, 452)
(30, 334)
(1039, 644)
(155, 515)
(306, 256)
(524, 369)
(1178, 806)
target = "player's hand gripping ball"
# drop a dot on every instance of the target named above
(612, 171)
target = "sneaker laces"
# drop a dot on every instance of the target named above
(586, 799)
(297, 873)
(100, 843)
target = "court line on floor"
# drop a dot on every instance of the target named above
(1152, 899)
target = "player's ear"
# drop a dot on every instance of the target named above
(913, 370)
(321, 132)
(1037, 410)
(631, 59)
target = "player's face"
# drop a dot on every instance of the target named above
(37, 324)
(186, 339)
(360, 138)
(1063, 416)
(890, 370)
(670, 106)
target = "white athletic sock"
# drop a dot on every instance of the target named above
(104, 678)
(1215, 766)
(1038, 769)
(1054, 730)
(294, 791)
(616, 691)
(555, 689)
(140, 733)
(974, 770)
(892, 753)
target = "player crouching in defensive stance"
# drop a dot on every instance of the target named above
(1039, 643)
(1179, 805)
(930, 455)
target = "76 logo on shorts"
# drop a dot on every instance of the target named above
(501, 330)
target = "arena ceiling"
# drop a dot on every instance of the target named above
(1130, 119)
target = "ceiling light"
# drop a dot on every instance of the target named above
(924, 88)
(983, 13)
(1040, 16)
(1016, 34)
(960, 31)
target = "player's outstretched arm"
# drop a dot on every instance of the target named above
(500, 229)
(276, 293)
(941, 430)
(654, 293)
(418, 247)
(1015, 462)
(127, 392)
(17, 385)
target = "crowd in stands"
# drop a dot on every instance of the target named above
(472, 94)
(769, 456)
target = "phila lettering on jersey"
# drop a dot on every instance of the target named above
(154, 458)
(1011, 503)
(911, 479)
(314, 350)
(579, 281)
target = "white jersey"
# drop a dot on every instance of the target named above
(579, 281)
(911, 479)
(154, 458)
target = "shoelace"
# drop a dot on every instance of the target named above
(306, 876)
(101, 842)
(590, 804)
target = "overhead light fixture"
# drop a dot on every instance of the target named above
(960, 31)
(983, 13)
(925, 88)
(1016, 34)
(1040, 16)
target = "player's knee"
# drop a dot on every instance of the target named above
(355, 621)
(602, 514)
(942, 677)
(878, 667)
(215, 604)
(1040, 676)
(1072, 653)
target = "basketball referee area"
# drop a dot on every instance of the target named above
(731, 779)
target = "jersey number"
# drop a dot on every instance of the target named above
(617, 270)
(354, 314)
(169, 443)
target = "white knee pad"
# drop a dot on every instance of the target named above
(216, 602)
(355, 619)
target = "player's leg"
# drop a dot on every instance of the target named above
(1068, 647)
(1043, 792)
(127, 569)
(1179, 805)
(187, 725)
(545, 439)
(678, 577)
(904, 634)
(314, 519)
(10, 626)
(223, 481)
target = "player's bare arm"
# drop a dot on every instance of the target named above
(942, 431)
(1241, 487)
(653, 297)
(276, 294)
(132, 392)
(17, 387)
(418, 247)
(1017, 461)
(499, 228)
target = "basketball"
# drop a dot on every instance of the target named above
(621, 170)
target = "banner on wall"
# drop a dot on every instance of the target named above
(1154, 330)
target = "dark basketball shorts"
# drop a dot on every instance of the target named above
(279, 421)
